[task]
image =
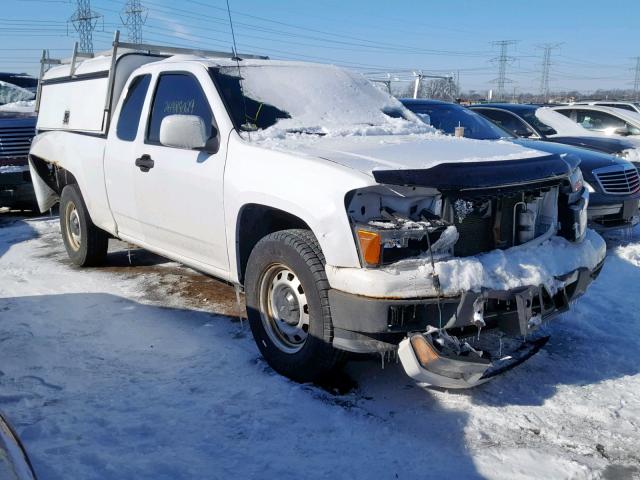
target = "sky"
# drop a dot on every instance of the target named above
(596, 41)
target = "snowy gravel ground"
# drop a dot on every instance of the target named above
(123, 372)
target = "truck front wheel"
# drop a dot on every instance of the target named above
(85, 243)
(288, 306)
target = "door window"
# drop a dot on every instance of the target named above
(178, 94)
(129, 119)
(594, 120)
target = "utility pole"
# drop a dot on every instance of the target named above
(84, 21)
(417, 82)
(636, 81)
(502, 61)
(135, 16)
(546, 69)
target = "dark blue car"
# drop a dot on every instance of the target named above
(613, 183)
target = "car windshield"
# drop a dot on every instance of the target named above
(10, 93)
(309, 99)
(530, 117)
(447, 116)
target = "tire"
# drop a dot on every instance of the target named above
(85, 243)
(286, 284)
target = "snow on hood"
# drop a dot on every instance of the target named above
(10, 93)
(399, 152)
(499, 270)
(561, 124)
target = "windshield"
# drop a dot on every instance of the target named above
(10, 93)
(282, 98)
(446, 117)
(530, 117)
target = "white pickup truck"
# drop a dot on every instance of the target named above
(351, 225)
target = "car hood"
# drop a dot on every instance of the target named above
(589, 159)
(433, 159)
(601, 144)
(407, 152)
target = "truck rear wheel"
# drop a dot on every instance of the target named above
(85, 243)
(288, 305)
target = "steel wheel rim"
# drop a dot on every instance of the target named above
(73, 228)
(284, 309)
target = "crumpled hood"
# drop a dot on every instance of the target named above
(401, 152)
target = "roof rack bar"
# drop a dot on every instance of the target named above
(160, 49)
(45, 61)
(112, 70)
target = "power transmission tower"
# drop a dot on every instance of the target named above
(502, 61)
(636, 81)
(546, 68)
(136, 16)
(84, 21)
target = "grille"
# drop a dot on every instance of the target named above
(15, 141)
(618, 179)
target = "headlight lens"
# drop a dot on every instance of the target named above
(588, 186)
(576, 179)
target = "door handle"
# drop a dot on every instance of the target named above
(144, 163)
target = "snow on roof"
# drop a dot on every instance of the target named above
(561, 124)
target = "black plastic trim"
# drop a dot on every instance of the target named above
(490, 174)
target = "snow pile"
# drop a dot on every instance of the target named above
(630, 253)
(564, 126)
(324, 99)
(22, 106)
(13, 168)
(10, 93)
(498, 270)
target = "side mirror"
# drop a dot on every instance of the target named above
(184, 131)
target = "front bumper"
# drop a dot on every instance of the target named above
(365, 325)
(611, 212)
(16, 188)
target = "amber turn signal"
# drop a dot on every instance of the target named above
(425, 353)
(369, 246)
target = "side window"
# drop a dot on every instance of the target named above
(594, 120)
(567, 113)
(132, 108)
(177, 94)
(509, 122)
(618, 105)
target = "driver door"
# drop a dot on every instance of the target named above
(180, 198)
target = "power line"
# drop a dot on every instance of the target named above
(84, 21)
(136, 16)
(502, 61)
(546, 68)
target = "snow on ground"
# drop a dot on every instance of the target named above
(123, 372)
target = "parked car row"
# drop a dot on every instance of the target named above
(613, 183)
(17, 129)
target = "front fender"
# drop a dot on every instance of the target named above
(309, 188)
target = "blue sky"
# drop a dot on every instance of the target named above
(599, 39)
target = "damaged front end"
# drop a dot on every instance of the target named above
(435, 358)
(428, 245)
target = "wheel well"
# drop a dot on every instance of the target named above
(54, 176)
(256, 222)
